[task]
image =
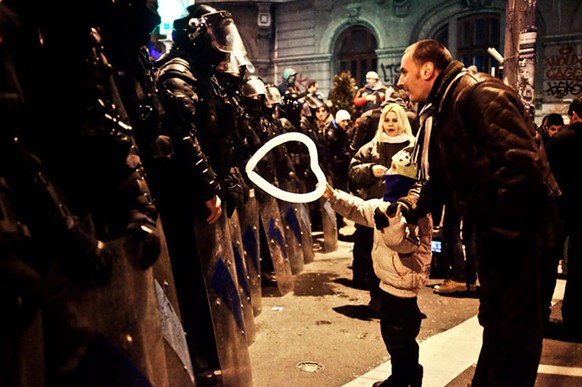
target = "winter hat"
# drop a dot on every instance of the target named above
(342, 115)
(288, 73)
(401, 175)
(372, 74)
(402, 163)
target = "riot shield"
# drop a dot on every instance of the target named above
(308, 253)
(272, 224)
(249, 224)
(218, 263)
(329, 224)
(120, 319)
(139, 333)
(178, 361)
(25, 368)
(304, 221)
(176, 348)
(293, 237)
(21, 333)
(242, 277)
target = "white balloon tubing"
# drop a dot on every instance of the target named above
(277, 192)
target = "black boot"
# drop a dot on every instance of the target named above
(417, 380)
(392, 381)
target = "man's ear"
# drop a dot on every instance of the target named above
(427, 71)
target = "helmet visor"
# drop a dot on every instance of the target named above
(273, 95)
(254, 87)
(225, 38)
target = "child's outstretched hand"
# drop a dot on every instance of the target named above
(328, 194)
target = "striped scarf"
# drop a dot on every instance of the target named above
(453, 72)
(420, 151)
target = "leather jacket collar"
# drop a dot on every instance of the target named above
(443, 80)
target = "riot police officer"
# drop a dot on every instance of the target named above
(195, 174)
(68, 157)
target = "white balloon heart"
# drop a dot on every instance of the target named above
(277, 192)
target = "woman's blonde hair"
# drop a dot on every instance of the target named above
(402, 121)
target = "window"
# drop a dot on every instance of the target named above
(356, 52)
(442, 35)
(476, 33)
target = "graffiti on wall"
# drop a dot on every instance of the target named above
(389, 73)
(562, 72)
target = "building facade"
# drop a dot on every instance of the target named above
(321, 38)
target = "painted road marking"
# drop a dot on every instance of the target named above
(462, 345)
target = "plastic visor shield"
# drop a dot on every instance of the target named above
(273, 95)
(226, 38)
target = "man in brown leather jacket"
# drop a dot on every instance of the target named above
(477, 140)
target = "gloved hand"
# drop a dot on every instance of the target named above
(87, 260)
(393, 207)
(234, 191)
(146, 243)
(408, 212)
(381, 219)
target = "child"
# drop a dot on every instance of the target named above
(401, 256)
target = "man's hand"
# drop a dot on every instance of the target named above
(214, 206)
(379, 170)
(395, 208)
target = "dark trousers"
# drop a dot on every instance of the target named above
(400, 320)
(362, 253)
(572, 304)
(511, 305)
(362, 267)
(462, 261)
(470, 251)
(452, 245)
(550, 270)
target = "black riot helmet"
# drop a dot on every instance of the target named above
(254, 94)
(254, 87)
(310, 105)
(291, 106)
(273, 95)
(210, 36)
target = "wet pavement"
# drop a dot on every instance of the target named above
(322, 334)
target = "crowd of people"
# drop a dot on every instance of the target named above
(127, 213)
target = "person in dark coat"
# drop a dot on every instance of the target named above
(563, 153)
(338, 151)
(477, 140)
(551, 124)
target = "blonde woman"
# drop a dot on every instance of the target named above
(366, 173)
(372, 160)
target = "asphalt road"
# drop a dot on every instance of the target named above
(321, 334)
